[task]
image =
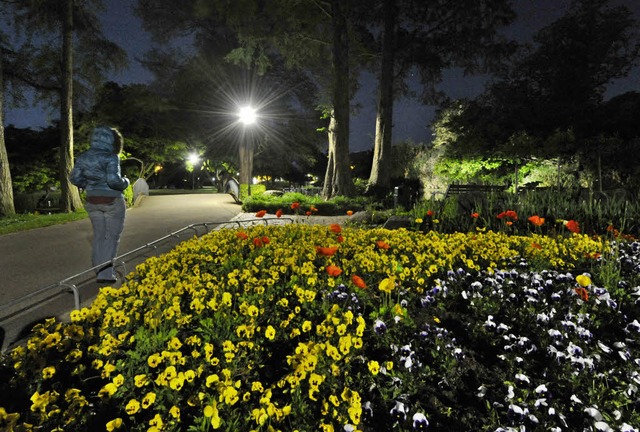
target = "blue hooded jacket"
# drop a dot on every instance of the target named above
(97, 170)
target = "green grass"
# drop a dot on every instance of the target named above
(27, 221)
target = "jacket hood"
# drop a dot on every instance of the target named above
(103, 139)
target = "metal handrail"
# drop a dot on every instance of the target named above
(70, 287)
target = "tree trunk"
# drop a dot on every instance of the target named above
(328, 177)
(69, 198)
(379, 177)
(341, 182)
(7, 207)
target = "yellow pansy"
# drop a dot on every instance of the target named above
(132, 407)
(583, 280)
(387, 285)
(114, 424)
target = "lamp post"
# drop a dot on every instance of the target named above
(194, 159)
(247, 116)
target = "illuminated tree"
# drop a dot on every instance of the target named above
(429, 37)
(553, 92)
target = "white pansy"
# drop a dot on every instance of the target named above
(510, 393)
(575, 399)
(593, 412)
(523, 378)
(542, 388)
(603, 347)
(602, 427)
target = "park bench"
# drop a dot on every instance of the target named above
(462, 189)
(48, 203)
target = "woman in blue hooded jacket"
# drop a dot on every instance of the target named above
(97, 171)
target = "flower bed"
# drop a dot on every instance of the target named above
(321, 328)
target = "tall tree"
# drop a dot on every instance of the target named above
(379, 177)
(69, 197)
(53, 65)
(338, 171)
(430, 37)
(7, 207)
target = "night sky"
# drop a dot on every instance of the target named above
(411, 119)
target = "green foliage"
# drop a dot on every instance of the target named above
(476, 170)
(128, 195)
(338, 205)
(33, 158)
(256, 190)
(39, 178)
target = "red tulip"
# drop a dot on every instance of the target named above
(572, 226)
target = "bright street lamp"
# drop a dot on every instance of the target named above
(193, 159)
(247, 115)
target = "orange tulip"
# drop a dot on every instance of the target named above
(261, 213)
(536, 246)
(349, 212)
(582, 292)
(475, 215)
(333, 270)
(257, 242)
(536, 220)
(336, 228)
(295, 205)
(266, 240)
(357, 281)
(382, 244)
(326, 251)
(339, 239)
(242, 235)
(279, 213)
